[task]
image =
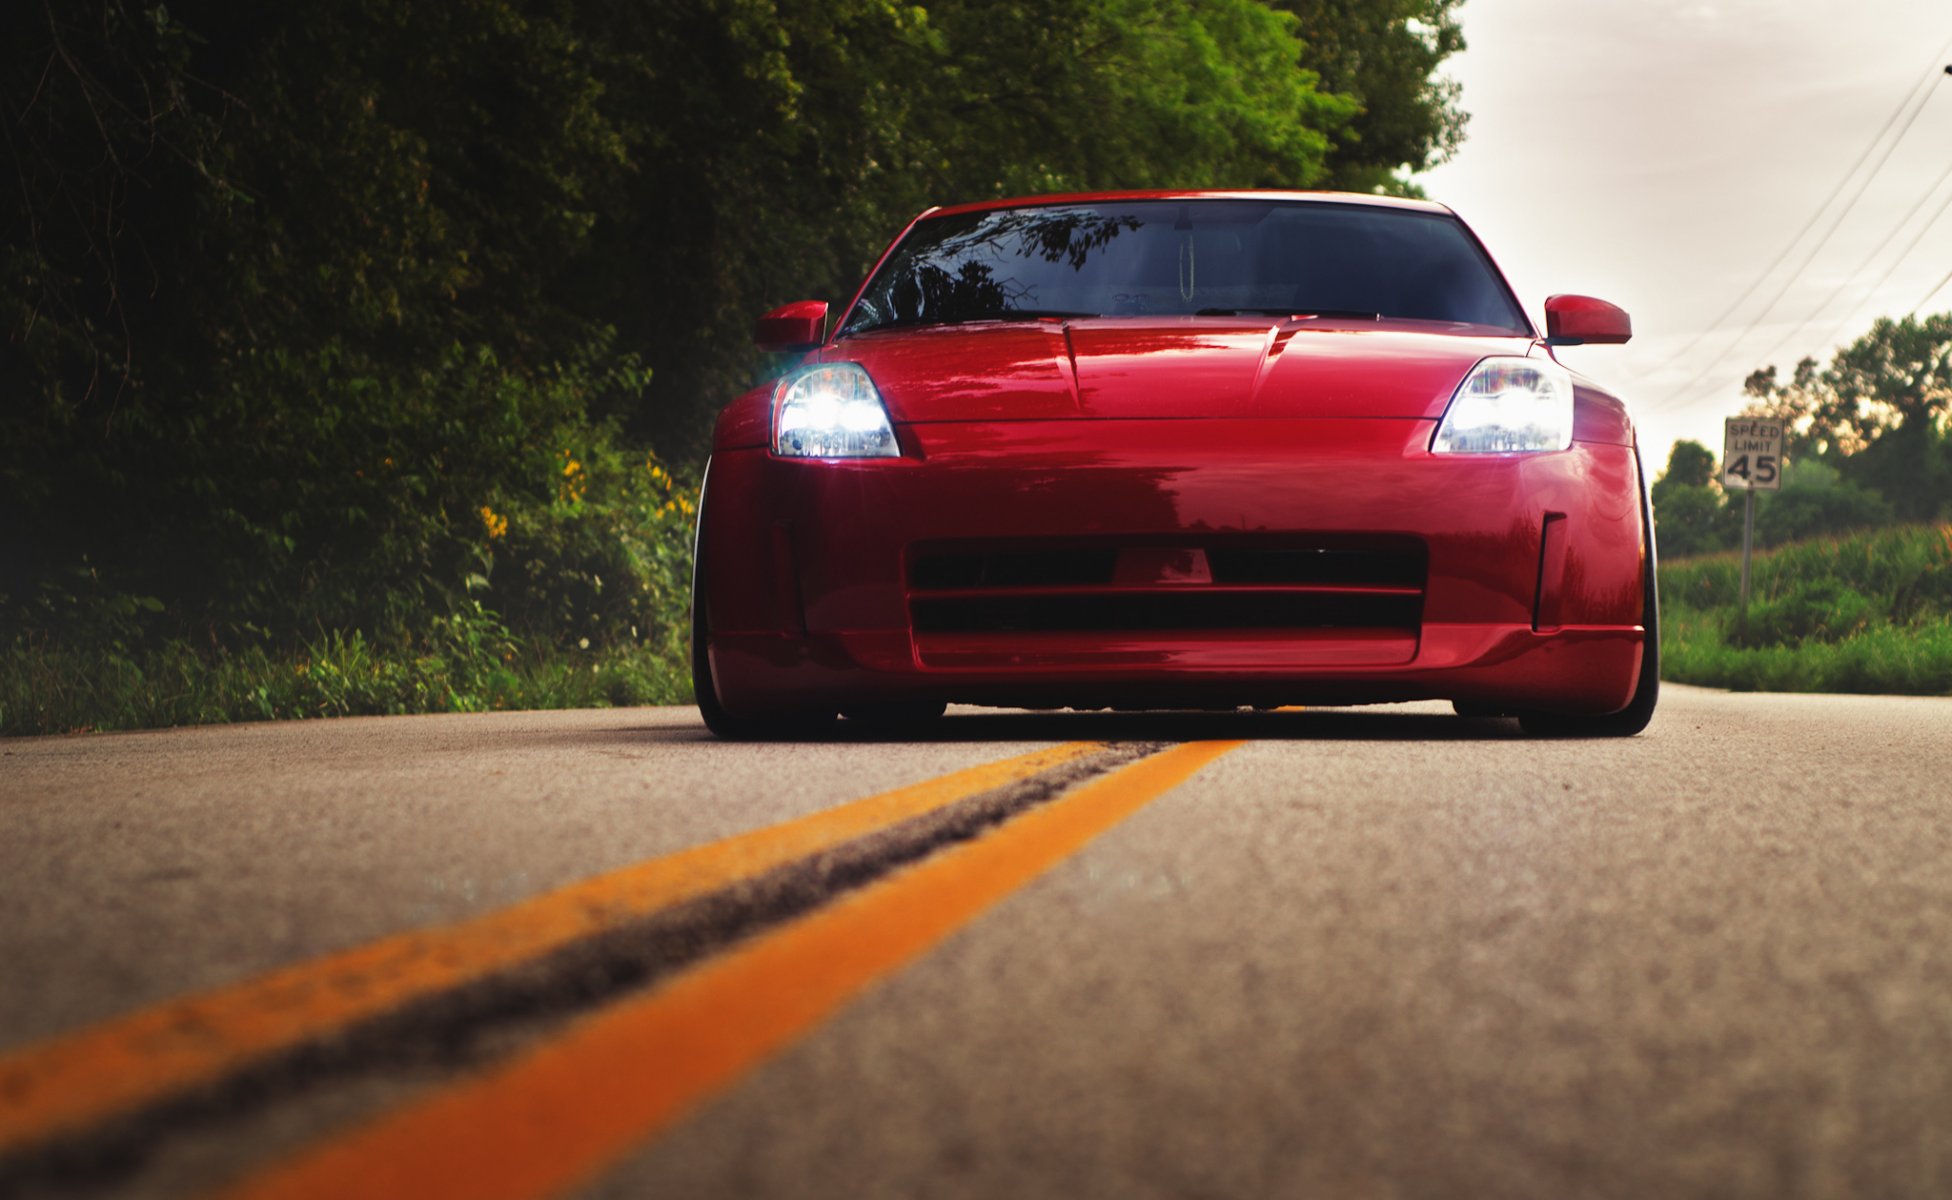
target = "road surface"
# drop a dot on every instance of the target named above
(1381, 952)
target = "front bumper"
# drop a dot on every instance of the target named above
(1528, 588)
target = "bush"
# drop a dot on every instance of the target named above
(1867, 613)
(466, 662)
(603, 559)
(1822, 610)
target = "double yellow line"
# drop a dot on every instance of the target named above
(560, 1112)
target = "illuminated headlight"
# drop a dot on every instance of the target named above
(832, 411)
(1508, 406)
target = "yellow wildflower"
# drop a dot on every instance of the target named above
(575, 483)
(494, 523)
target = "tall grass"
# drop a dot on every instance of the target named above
(1867, 613)
(465, 663)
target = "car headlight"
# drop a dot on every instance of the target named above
(1508, 406)
(832, 411)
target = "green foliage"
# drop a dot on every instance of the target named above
(1691, 520)
(309, 308)
(466, 662)
(1694, 518)
(1815, 501)
(1385, 54)
(1883, 659)
(1816, 610)
(604, 560)
(1879, 412)
(1689, 464)
(1868, 613)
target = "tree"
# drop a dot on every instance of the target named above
(1800, 407)
(1385, 54)
(814, 132)
(1689, 464)
(294, 294)
(1815, 501)
(1878, 412)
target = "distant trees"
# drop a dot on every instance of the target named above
(1868, 444)
(342, 313)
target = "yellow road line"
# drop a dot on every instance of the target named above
(561, 1113)
(68, 1081)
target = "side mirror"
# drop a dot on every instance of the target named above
(1584, 321)
(794, 327)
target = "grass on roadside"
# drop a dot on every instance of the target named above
(467, 663)
(1871, 612)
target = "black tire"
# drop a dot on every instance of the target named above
(897, 717)
(1647, 688)
(772, 727)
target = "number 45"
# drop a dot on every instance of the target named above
(1764, 472)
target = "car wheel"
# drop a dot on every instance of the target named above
(1647, 687)
(777, 726)
(897, 717)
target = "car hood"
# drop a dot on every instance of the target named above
(1120, 367)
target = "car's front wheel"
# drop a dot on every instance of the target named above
(728, 725)
(1647, 685)
(896, 716)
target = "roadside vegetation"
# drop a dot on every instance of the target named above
(1857, 597)
(359, 357)
(1869, 612)
(1868, 444)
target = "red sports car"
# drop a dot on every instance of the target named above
(1177, 450)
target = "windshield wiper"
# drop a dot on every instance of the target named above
(1298, 310)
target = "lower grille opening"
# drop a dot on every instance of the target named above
(942, 570)
(1162, 611)
(1401, 567)
(1361, 593)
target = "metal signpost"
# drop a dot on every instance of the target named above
(1752, 461)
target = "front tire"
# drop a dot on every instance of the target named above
(898, 716)
(727, 725)
(1647, 686)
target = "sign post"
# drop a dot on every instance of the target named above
(1752, 461)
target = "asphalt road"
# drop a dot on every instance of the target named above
(1383, 952)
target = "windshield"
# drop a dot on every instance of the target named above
(1187, 258)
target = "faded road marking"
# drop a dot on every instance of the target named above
(57, 1086)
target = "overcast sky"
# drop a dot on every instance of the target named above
(1661, 153)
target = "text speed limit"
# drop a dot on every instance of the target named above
(1752, 455)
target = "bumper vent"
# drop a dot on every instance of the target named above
(1176, 586)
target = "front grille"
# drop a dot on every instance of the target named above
(1131, 612)
(1169, 585)
(1403, 567)
(941, 570)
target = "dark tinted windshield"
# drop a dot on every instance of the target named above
(1173, 257)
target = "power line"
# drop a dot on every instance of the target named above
(1830, 231)
(1816, 312)
(1906, 101)
(1928, 295)
(1909, 247)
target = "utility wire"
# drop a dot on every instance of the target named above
(1906, 101)
(1890, 237)
(1829, 231)
(1928, 295)
(1902, 254)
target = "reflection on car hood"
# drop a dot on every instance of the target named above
(1120, 367)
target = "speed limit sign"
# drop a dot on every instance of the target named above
(1752, 455)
